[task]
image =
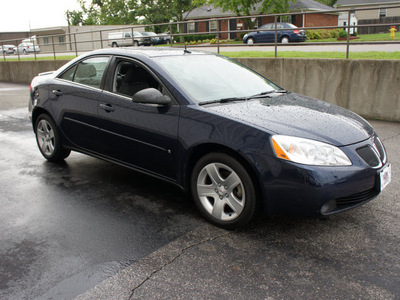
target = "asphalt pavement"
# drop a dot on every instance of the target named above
(92, 230)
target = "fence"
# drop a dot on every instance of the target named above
(372, 26)
(79, 42)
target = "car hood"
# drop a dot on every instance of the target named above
(300, 116)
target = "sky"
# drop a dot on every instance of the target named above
(22, 15)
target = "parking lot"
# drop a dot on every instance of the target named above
(89, 229)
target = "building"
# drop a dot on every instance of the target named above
(376, 15)
(327, 17)
(77, 38)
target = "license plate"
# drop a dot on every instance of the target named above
(386, 176)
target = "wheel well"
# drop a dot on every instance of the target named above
(204, 149)
(36, 113)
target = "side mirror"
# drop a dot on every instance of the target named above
(151, 96)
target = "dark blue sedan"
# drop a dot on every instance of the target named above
(240, 144)
(286, 33)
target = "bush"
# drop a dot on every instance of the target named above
(342, 33)
(322, 34)
(213, 41)
(242, 35)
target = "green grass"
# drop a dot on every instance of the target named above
(299, 54)
(362, 38)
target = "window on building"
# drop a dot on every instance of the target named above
(285, 19)
(213, 25)
(61, 40)
(382, 12)
(191, 27)
(46, 41)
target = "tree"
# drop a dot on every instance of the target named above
(102, 12)
(248, 7)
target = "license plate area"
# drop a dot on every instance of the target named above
(385, 176)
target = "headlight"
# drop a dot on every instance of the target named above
(308, 152)
(245, 36)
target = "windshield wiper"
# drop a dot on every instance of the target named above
(261, 95)
(232, 99)
(224, 100)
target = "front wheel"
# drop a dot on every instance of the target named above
(250, 41)
(223, 191)
(48, 139)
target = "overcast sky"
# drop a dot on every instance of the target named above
(21, 15)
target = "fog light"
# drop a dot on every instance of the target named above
(328, 207)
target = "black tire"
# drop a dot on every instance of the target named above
(223, 191)
(24, 52)
(135, 44)
(114, 45)
(48, 139)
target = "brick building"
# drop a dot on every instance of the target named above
(327, 17)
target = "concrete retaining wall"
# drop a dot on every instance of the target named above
(370, 88)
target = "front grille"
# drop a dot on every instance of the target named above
(369, 155)
(356, 199)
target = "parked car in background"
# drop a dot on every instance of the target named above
(7, 49)
(238, 142)
(157, 39)
(286, 33)
(124, 39)
(25, 48)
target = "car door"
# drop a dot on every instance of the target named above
(141, 135)
(75, 99)
(265, 34)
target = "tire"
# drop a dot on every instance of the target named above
(48, 139)
(135, 44)
(285, 40)
(114, 45)
(223, 191)
(250, 41)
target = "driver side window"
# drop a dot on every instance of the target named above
(130, 78)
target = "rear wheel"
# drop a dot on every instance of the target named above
(114, 45)
(48, 139)
(223, 191)
(285, 40)
(136, 44)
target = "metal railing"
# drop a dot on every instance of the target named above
(77, 43)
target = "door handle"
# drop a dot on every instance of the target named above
(57, 93)
(107, 107)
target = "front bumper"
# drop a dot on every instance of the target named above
(294, 189)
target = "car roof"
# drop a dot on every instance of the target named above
(150, 52)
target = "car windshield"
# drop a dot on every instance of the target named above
(207, 78)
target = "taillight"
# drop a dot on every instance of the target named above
(296, 31)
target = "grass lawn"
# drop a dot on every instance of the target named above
(363, 38)
(299, 54)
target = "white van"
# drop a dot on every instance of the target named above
(122, 39)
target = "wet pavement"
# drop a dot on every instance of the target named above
(89, 229)
(67, 227)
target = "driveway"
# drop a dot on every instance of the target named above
(89, 229)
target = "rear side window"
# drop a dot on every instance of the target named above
(88, 72)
